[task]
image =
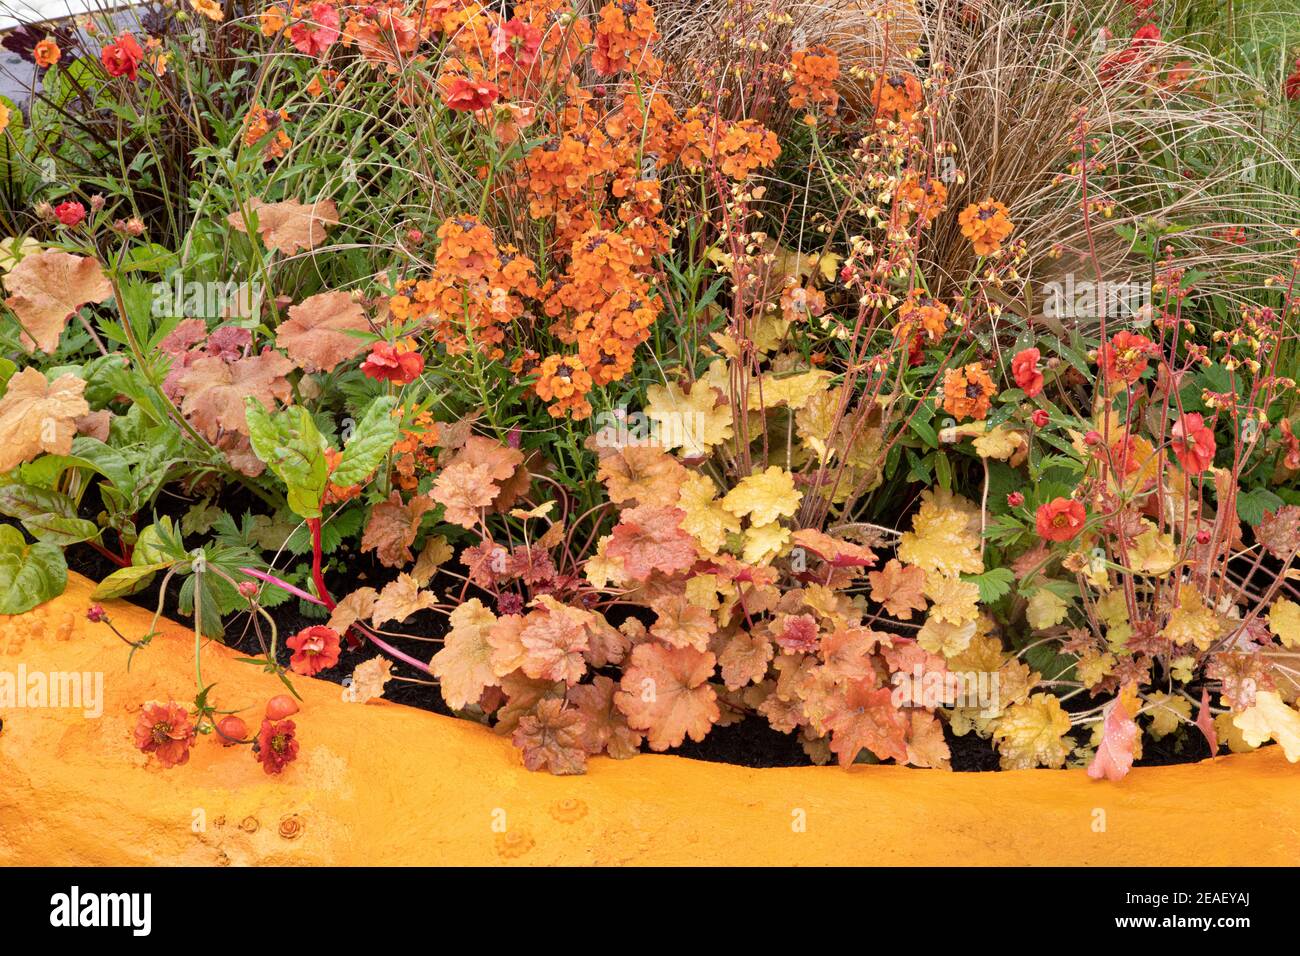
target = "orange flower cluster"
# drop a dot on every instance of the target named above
(900, 94)
(266, 127)
(986, 225)
(413, 454)
(625, 34)
(475, 292)
(967, 391)
(923, 196)
(739, 149)
(603, 306)
(814, 74)
(921, 314)
(592, 174)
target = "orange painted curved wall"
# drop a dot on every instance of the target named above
(384, 784)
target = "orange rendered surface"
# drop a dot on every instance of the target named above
(381, 783)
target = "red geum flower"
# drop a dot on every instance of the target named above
(1193, 443)
(276, 745)
(70, 213)
(1060, 519)
(466, 95)
(315, 649)
(165, 731)
(1291, 88)
(1024, 368)
(1145, 35)
(517, 42)
(122, 57)
(1040, 418)
(1015, 499)
(386, 364)
(1126, 355)
(317, 31)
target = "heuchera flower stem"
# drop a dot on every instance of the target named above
(374, 638)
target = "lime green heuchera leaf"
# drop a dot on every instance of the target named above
(29, 574)
(294, 449)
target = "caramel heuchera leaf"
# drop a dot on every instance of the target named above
(400, 599)
(643, 474)
(666, 692)
(369, 678)
(473, 479)
(392, 528)
(289, 226)
(764, 496)
(604, 726)
(356, 606)
(744, 659)
(1270, 718)
(317, 334)
(47, 288)
(38, 416)
(551, 738)
(553, 643)
(1033, 734)
(435, 554)
(464, 665)
(925, 744)
(649, 539)
(215, 390)
(866, 717)
(899, 588)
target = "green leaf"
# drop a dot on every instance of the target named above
(49, 516)
(148, 258)
(921, 425)
(372, 440)
(29, 574)
(159, 543)
(294, 449)
(994, 584)
(1251, 505)
(126, 581)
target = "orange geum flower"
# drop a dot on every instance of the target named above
(165, 730)
(272, 20)
(46, 53)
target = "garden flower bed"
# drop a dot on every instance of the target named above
(871, 384)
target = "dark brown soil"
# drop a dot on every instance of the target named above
(749, 743)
